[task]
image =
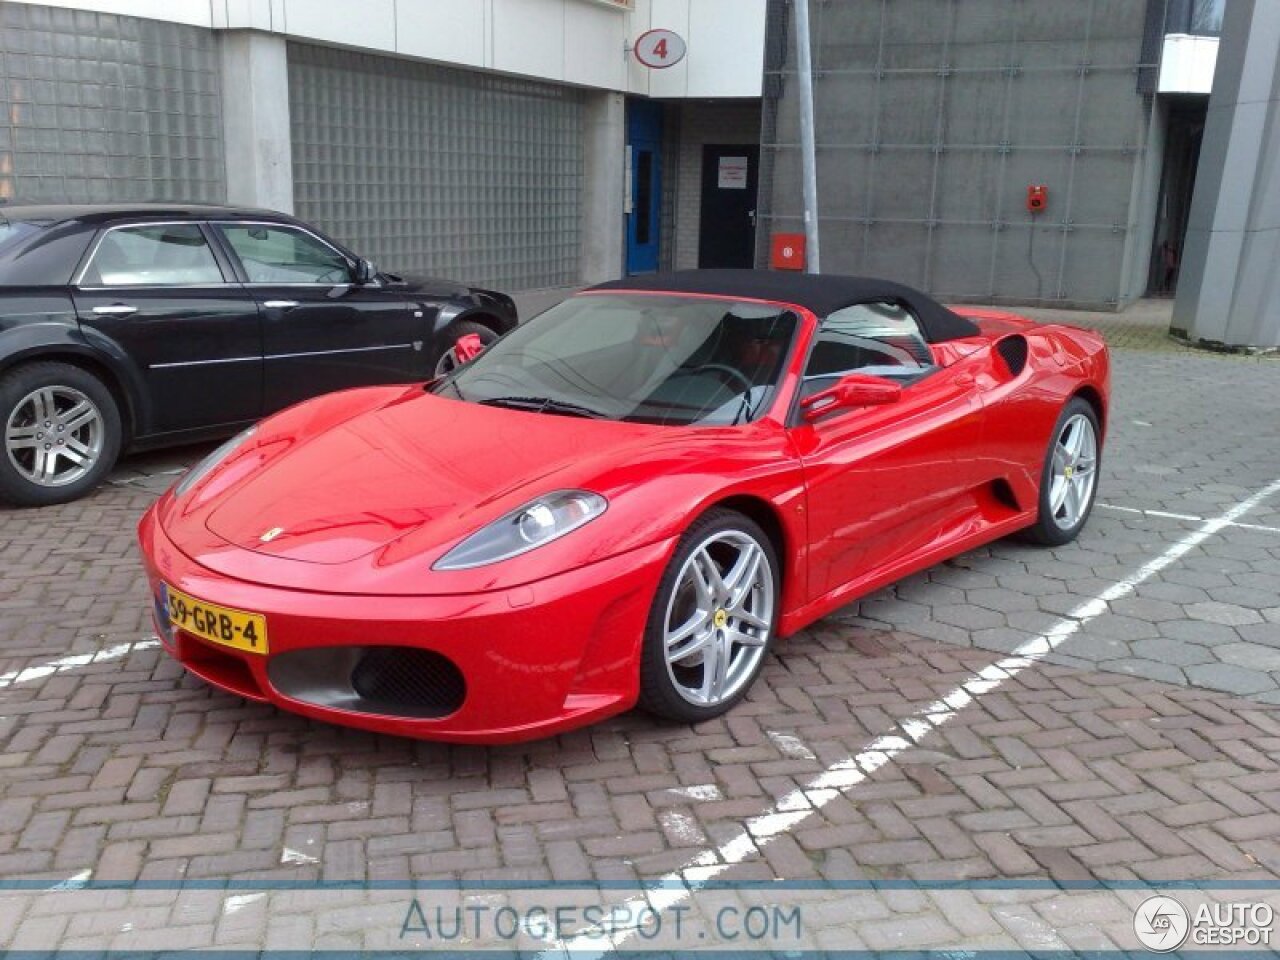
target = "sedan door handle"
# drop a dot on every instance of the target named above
(116, 310)
(280, 304)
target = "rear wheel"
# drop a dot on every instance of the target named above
(712, 620)
(449, 360)
(61, 433)
(1069, 482)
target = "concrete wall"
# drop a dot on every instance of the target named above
(933, 117)
(581, 42)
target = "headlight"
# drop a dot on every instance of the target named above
(201, 469)
(545, 519)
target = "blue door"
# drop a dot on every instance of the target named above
(644, 166)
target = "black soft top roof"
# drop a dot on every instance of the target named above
(822, 294)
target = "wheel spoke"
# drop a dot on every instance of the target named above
(81, 415)
(19, 438)
(743, 615)
(711, 574)
(743, 639)
(76, 457)
(1072, 504)
(1058, 494)
(715, 667)
(46, 465)
(43, 404)
(688, 628)
(742, 576)
(1073, 437)
(701, 587)
(697, 645)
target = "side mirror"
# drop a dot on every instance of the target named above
(850, 391)
(366, 272)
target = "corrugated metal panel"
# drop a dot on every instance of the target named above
(437, 170)
(107, 108)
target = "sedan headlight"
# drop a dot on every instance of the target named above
(203, 468)
(541, 521)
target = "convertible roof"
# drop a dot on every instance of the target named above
(822, 294)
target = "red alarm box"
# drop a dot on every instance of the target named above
(787, 251)
(1037, 198)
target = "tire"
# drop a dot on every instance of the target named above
(1062, 515)
(61, 433)
(448, 362)
(674, 680)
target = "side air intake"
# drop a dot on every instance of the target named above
(1013, 351)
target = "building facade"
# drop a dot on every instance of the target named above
(517, 143)
(936, 119)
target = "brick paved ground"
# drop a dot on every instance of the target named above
(1147, 750)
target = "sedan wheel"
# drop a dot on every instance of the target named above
(61, 433)
(712, 620)
(1070, 478)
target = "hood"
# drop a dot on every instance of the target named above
(428, 464)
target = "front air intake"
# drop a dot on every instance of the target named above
(1013, 351)
(406, 680)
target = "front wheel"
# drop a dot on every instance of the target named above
(61, 433)
(712, 620)
(1069, 481)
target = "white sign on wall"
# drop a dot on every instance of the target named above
(659, 49)
(732, 174)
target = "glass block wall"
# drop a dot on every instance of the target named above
(436, 170)
(934, 116)
(97, 108)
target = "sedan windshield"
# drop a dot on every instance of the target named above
(662, 359)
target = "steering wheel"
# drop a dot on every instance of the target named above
(730, 375)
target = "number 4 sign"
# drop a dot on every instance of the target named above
(659, 49)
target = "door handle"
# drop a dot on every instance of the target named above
(115, 310)
(280, 304)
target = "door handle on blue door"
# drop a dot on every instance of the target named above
(280, 304)
(116, 310)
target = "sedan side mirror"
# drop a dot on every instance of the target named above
(850, 391)
(366, 272)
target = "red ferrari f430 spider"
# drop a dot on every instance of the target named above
(628, 499)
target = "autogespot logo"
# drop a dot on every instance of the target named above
(1161, 924)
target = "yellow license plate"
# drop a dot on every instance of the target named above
(220, 625)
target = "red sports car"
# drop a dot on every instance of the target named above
(625, 500)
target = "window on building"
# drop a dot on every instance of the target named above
(173, 254)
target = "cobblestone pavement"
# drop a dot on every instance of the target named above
(1146, 749)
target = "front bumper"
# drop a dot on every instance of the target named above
(535, 660)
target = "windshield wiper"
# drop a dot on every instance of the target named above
(544, 405)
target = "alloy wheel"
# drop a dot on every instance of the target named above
(1074, 472)
(719, 617)
(54, 436)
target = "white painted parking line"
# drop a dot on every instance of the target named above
(1191, 518)
(796, 806)
(27, 674)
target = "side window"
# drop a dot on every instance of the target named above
(172, 254)
(878, 339)
(285, 255)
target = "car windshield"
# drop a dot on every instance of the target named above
(662, 359)
(12, 231)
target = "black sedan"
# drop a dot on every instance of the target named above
(130, 327)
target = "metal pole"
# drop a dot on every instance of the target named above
(809, 163)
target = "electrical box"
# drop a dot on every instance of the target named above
(787, 251)
(1037, 198)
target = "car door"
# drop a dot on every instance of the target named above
(160, 292)
(882, 480)
(322, 331)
